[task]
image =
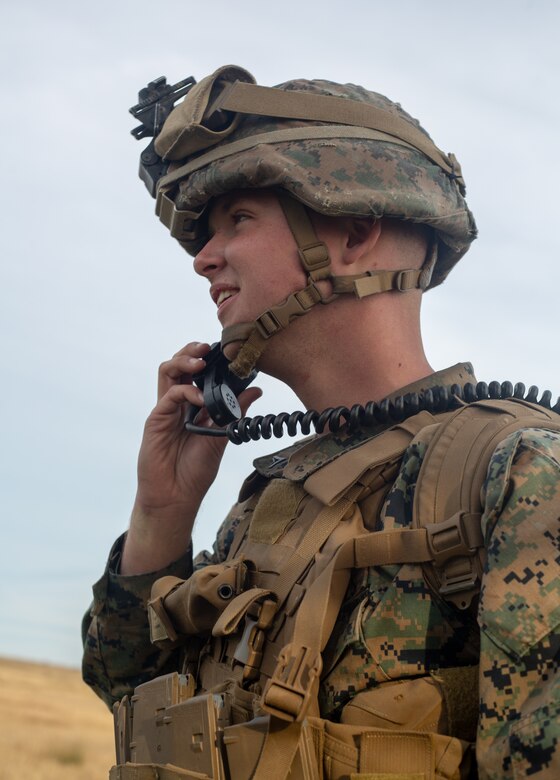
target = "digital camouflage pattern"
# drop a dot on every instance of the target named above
(519, 610)
(333, 176)
(392, 627)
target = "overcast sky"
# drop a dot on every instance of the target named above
(94, 293)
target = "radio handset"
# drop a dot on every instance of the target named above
(220, 388)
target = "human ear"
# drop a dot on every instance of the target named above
(363, 234)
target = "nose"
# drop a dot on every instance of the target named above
(210, 258)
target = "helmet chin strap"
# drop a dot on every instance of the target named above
(314, 257)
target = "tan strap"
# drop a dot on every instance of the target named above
(318, 533)
(236, 610)
(313, 253)
(161, 625)
(269, 101)
(266, 325)
(235, 147)
(279, 750)
(449, 484)
(372, 282)
(239, 332)
(288, 692)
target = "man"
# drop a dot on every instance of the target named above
(319, 213)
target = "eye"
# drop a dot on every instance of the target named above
(239, 216)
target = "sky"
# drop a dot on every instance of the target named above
(94, 294)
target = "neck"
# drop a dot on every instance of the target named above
(348, 354)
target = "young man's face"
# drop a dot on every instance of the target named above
(251, 259)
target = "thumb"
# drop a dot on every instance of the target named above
(248, 397)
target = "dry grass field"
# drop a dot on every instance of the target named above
(52, 727)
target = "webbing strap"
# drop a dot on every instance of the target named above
(319, 531)
(279, 749)
(286, 135)
(313, 253)
(281, 742)
(236, 610)
(450, 480)
(269, 101)
(266, 325)
(372, 282)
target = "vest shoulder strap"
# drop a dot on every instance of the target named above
(447, 501)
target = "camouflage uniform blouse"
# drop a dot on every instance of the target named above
(392, 627)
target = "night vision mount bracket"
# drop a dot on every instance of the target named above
(155, 103)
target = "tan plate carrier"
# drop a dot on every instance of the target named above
(250, 710)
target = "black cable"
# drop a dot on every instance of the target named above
(434, 399)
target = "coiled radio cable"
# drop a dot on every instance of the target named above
(435, 399)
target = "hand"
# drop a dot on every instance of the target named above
(175, 468)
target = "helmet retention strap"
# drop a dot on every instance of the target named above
(314, 256)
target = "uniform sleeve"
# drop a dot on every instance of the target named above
(118, 654)
(519, 612)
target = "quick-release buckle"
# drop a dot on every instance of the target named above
(298, 303)
(460, 536)
(268, 324)
(453, 545)
(288, 693)
(250, 648)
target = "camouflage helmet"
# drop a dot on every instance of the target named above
(336, 149)
(355, 154)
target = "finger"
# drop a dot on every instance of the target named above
(248, 397)
(184, 363)
(179, 369)
(175, 398)
(195, 349)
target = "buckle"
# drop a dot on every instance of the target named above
(453, 545)
(250, 648)
(267, 324)
(406, 280)
(314, 256)
(460, 536)
(288, 692)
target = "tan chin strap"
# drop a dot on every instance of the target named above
(314, 257)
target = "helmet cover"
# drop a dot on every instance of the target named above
(334, 168)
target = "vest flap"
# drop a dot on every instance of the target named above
(331, 481)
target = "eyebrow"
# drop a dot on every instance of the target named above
(223, 206)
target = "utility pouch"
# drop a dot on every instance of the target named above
(415, 705)
(192, 607)
(354, 752)
(193, 125)
(170, 729)
(164, 732)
